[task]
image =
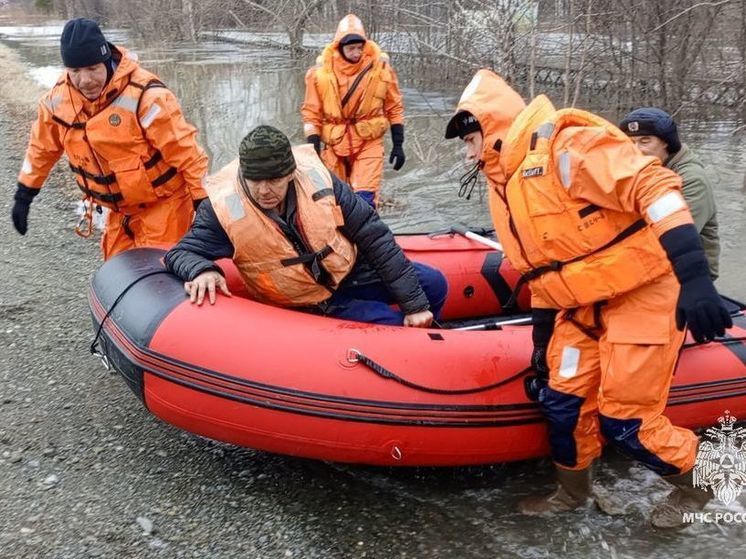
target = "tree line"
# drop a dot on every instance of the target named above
(671, 53)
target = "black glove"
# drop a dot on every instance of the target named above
(699, 305)
(543, 327)
(23, 198)
(315, 139)
(196, 203)
(397, 156)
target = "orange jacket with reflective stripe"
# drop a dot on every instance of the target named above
(576, 206)
(375, 102)
(271, 267)
(132, 146)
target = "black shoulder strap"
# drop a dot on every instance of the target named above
(149, 85)
(356, 83)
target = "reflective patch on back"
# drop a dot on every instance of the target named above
(665, 206)
(545, 130)
(564, 169)
(149, 117)
(235, 207)
(570, 361)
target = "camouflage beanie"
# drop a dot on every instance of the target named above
(265, 153)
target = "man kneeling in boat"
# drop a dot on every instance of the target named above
(301, 238)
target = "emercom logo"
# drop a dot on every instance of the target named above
(714, 517)
(721, 462)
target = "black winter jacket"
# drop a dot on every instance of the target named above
(379, 257)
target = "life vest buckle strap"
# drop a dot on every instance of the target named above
(165, 177)
(104, 180)
(150, 163)
(308, 258)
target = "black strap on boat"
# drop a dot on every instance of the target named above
(356, 356)
(94, 344)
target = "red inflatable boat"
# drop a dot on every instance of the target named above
(305, 385)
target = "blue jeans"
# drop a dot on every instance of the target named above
(371, 302)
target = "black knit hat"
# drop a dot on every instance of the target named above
(650, 121)
(82, 44)
(265, 153)
(461, 124)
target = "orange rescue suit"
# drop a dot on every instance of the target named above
(131, 151)
(272, 269)
(353, 133)
(579, 211)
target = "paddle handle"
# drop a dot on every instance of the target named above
(464, 232)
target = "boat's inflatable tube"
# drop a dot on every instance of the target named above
(305, 385)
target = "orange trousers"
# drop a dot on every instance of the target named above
(362, 170)
(159, 224)
(611, 367)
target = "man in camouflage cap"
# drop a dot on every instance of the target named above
(302, 239)
(265, 153)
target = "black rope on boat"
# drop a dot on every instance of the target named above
(723, 340)
(94, 345)
(356, 356)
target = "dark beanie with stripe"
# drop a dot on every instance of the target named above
(83, 44)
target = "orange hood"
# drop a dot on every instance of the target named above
(349, 25)
(495, 105)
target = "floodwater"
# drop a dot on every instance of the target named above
(226, 89)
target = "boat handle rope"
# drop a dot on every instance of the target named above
(357, 356)
(95, 350)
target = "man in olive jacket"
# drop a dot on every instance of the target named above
(656, 134)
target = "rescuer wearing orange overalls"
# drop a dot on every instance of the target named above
(352, 96)
(604, 239)
(126, 140)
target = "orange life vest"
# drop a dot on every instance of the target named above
(365, 110)
(113, 162)
(271, 267)
(572, 252)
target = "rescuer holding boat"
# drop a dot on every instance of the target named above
(604, 239)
